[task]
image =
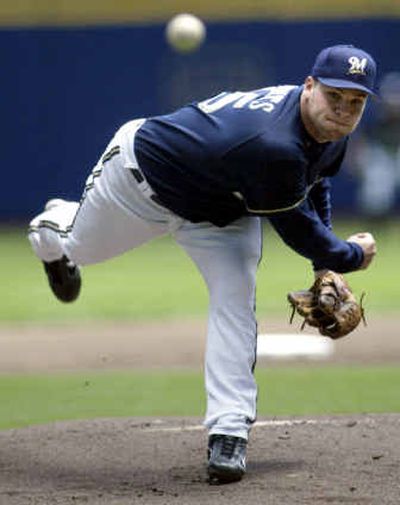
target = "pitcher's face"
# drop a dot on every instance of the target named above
(330, 113)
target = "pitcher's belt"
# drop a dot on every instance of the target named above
(144, 186)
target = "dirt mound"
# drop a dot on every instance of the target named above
(334, 460)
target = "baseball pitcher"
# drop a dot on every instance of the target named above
(208, 174)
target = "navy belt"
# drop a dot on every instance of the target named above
(141, 180)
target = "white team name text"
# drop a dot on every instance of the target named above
(264, 99)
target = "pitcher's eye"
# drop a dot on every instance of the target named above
(334, 96)
(357, 102)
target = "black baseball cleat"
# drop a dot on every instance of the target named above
(226, 458)
(64, 278)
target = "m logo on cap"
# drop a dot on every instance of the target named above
(345, 66)
(357, 65)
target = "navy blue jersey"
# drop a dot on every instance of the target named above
(242, 153)
(234, 154)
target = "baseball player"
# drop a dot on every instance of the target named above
(208, 173)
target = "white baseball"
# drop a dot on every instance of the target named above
(185, 32)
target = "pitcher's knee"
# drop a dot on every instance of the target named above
(236, 284)
(45, 243)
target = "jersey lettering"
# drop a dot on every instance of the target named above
(265, 99)
(219, 101)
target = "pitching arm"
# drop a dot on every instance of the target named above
(303, 230)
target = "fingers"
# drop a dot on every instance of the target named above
(320, 273)
(367, 243)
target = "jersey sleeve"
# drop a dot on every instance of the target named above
(334, 167)
(303, 230)
(320, 196)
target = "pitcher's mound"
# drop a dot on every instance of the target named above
(335, 460)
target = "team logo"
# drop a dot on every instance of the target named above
(357, 65)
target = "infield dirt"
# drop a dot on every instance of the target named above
(167, 344)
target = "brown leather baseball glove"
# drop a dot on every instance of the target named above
(328, 305)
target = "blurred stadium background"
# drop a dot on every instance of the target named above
(72, 72)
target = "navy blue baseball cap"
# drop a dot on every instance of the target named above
(345, 66)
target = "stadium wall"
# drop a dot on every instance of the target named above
(66, 88)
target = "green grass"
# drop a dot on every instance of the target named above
(158, 280)
(38, 399)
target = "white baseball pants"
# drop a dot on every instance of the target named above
(119, 211)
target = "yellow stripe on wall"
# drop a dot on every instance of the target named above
(94, 12)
